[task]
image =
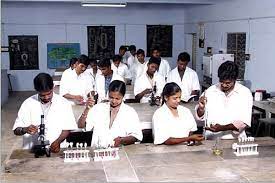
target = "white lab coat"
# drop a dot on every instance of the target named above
(121, 70)
(100, 85)
(143, 83)
(59, 117)
(164, 68)
(189, 82)
(222, 109)
(90, 73)
(125, 124)
(131, 61)
(138, 69)
(74, 84)
(165, 125)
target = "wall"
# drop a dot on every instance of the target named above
(256, 18)
(66, 22)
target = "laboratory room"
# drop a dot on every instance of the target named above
(137, 91)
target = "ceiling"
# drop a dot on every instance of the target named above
(187, 2)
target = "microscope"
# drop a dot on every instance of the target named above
(153, 100)
(43, 145)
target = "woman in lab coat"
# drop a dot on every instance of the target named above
(172, 123)
(113, 123)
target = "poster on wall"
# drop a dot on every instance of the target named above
(160, 36)
(101, 41)
(201, 35)
(59, 54)
(23, 51)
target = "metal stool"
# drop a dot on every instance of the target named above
(266, 127)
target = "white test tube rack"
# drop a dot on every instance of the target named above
(106, 154)
(245, 147)
(80, 154)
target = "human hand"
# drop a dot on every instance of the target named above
(202, 102)
(32, 129)
(90, 102)
(118, 142)
(147, 91)
(78, 98)
(196, 137)
(215, 128)
(55, 147)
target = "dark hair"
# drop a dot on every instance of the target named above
(83, 59)
(117, 86)
(154, 60)
(169, 90)
(132, 48)
(104, 63)
(228, 70)
(155, 48)
(117, 57)
(184, 56)
(43, 82)
(93, 61)
(123, 48)
(73, 61)
(140, 51)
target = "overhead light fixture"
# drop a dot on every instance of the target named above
(94, 4)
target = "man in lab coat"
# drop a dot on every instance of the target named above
(226, 106)
(104, 79)
(120, 68)
(132, 59)
(122, 52)
(144, 84)
(76, 85)
(58, 115)
(140, 66)
(164, 67)
(185, 77)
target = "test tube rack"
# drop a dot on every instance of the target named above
(245, 147)
(106, 154)
(78, 154)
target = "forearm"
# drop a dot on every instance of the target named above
(172, 141)
(82, 119)
(69, 96)
(20, 131)
(64, 134)
(139, 96)
(128, 140)
(228, 127)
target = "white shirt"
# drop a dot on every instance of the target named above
(166, 125)
(222, 109)
(59, 116)
(143, 83)
(138, 69)
(100, 85)
(164, 68)
(121, 70)
(74, 84)
(90, 73)
(125, 124)
(189, 82)
(131, 61)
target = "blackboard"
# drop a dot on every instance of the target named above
(101, 41)
(23, 51)
(160, 36)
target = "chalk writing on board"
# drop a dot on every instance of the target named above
(101, 41)
(160, 36)
(23, 52)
